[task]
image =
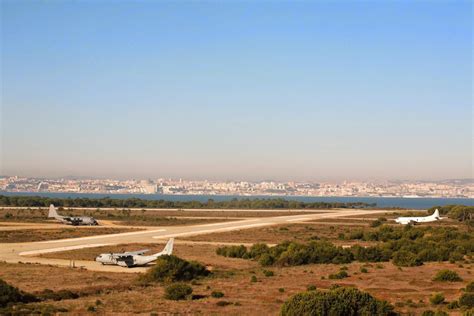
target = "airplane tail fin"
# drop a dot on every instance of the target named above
(169, 247)
(168, 250)
(52, 212)
(436, 214)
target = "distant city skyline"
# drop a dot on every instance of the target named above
(237, 90)
(407, 189)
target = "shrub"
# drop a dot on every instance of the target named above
(467, 300)
(253, 278)
(376, 223)
(178, 291)
(437, 298)
(223, 303)
(268, 273)
(11, 294)
(453, 305)
(364, 270)
(281, 290)
(340, 275)
(266, 260)
(232, 251)
(470, 287)
(91, 308)
(311, 287)
(48, 294)
(403, 258)
(172, 268)
(340, 301)
(447, 276)
(217, 294)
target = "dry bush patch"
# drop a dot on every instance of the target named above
(262, 297)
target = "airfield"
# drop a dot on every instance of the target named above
(27, 252)
(56, 261)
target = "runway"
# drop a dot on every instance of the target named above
(25, 252)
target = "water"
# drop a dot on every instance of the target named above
(411, 203)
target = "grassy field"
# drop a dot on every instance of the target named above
(142, 217)
(29, 235)
(408, 288)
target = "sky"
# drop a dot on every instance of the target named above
(237, 90)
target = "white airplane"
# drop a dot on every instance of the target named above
(422, 219)
(71, 220)
(134, 258)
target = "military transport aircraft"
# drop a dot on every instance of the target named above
(71, 220)
(134, 258)
(422, 219)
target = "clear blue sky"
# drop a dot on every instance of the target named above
(237, 89)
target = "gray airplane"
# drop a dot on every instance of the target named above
(134, 258)
(71, 220)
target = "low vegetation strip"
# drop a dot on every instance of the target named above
(409, 246)
(336, 302)
(37, 201)
(172, 269)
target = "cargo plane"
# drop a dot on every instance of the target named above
(134, 258)
(71, 220)
(422, 219)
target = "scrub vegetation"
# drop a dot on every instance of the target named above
(37, 201)
(338, 302)
(407, 246)
(172, 269)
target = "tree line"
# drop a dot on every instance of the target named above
(277, 203)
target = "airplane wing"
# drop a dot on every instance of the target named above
(138, 252)
(118, 255)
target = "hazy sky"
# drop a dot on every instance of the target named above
(237, 89)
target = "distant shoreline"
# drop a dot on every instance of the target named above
(43, 193)
(404, 202)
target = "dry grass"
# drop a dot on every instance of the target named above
(29, 235)
(408, 288)
(260, 298)
(275, 234)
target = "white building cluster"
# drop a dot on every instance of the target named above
(447, 188)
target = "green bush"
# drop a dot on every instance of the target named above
(467, 300)
(337, 302)
(447, 276)
(172, 268)
(311, 287)
(340, 275)
(281, 290)
(232, 251)
(437, 298)
(470, 287)
(363, 270)
(253, 279)
(404, 258)
(178, 291)
(48, 294)
(376, 223)
(10, 294)
(268, 273)
(217, 294)
(453, 305)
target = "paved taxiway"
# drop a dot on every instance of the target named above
(25, 252)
